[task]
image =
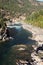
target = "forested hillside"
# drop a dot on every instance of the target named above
(20, 6)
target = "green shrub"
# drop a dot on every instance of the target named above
(36, 18)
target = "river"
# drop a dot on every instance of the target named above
(20, 48)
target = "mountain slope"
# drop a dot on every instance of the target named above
(20, 6)
(36, 2)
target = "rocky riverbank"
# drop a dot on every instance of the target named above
(5, 35)
(36, 59)
(37, 35)
(37, 55)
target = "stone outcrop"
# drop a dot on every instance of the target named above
(36, 59)
(37, 33)
(37, 36)
(4, 34)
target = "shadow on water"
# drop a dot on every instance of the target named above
(8, 52)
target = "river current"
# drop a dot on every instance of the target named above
(19, 48)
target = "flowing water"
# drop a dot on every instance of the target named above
(19, 48)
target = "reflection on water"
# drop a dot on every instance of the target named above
(19, 48)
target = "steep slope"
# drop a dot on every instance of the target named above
(36, 2)
(15, 5)
(21, 6)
